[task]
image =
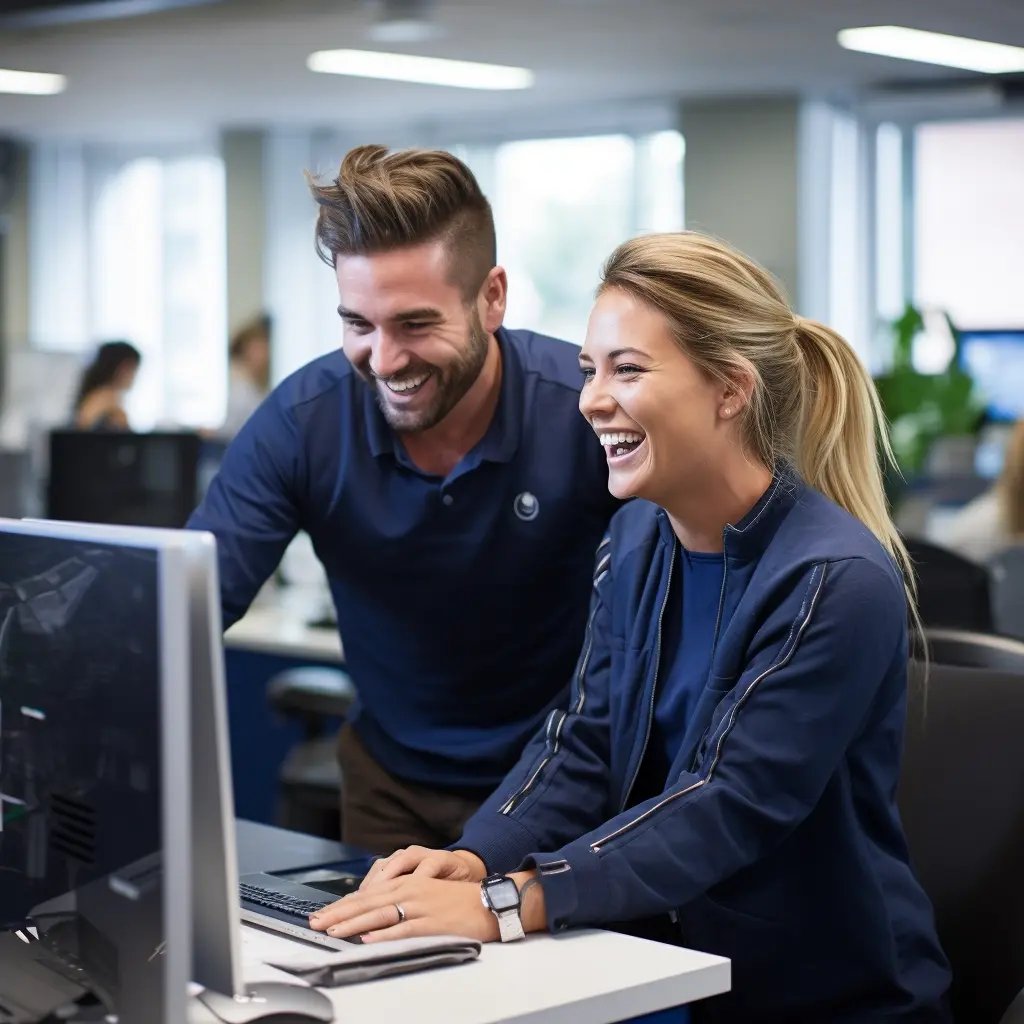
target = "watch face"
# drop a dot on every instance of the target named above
(503, 895)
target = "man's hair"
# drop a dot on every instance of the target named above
(381, 201)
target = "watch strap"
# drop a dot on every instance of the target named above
(510, 925)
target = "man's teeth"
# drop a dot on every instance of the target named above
(398, 386)
(623, 437)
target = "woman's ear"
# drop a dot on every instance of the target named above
(736, 392)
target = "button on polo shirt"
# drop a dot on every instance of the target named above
(461, 600)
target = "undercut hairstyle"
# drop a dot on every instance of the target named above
(381, 201)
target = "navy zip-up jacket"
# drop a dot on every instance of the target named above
(777, 842)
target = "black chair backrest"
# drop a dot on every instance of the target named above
(1007, 570)
(961, 797)
(974, 650)
(952, 590)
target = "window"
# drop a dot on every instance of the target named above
(560, 208)
(968, 239)
(132, 246)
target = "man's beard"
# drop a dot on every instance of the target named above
(450, 384)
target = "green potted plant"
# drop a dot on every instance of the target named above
(923, 407)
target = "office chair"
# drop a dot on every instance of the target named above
(1007, 571)
(953, 592)
(15, 484)
(961, 798)
(973, 650)
(309, 793)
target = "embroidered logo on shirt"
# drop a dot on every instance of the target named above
(526, 506)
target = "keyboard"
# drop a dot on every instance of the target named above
(278, 901)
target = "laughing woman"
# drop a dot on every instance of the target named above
(727, 761)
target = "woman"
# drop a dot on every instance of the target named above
(248, 373)
(995, 519)
(99, 404)
(729, 754)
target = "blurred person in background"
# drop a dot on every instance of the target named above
(450, 488)
(248, 373)
(994, 520)
(99, 404)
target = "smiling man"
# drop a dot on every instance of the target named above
(450, 488)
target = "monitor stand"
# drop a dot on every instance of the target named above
(272, 1002)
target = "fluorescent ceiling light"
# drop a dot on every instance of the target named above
(31, 83)
(934, 48)
(404, 67)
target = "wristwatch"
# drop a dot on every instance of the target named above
(499, 895)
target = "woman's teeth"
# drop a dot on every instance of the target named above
(620, 443)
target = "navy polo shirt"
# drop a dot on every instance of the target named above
(461, 600)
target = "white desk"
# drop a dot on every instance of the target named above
(592, 976)
(277, 624)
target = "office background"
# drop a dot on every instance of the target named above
(160, 197)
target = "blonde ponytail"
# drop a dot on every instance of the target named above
(842, 429)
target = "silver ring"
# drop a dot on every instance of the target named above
(401, 913)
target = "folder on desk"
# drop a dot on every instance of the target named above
(375, 960)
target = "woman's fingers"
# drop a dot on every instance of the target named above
(401, 862)
(382, 918)
(353, 907)
(428, 907)
(441, 864)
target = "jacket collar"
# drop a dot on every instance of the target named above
(750, 537)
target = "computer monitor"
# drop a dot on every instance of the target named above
(94, 756)
(123, 478)
(994, 359)
(208, 831)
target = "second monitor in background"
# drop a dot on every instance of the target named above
(122, 478)
(994, 359)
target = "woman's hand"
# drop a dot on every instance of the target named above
(460, 866)
(429, 906)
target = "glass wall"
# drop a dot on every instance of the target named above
(132, 246)
(562, 205)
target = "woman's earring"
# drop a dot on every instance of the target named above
(727, 412)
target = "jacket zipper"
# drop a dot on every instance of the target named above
(654, 684)
(721, 597)
(596, 846)
(714, 641)
(520, 794)
(552, 741)
(584, 661)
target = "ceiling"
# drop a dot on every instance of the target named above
(187, 72)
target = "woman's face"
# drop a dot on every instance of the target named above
(662, 422)
(124, 378)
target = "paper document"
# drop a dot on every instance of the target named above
(376, 960)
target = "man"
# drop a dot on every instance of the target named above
(450, 487)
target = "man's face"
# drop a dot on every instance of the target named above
(409, 332)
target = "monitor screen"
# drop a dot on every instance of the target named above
(995, 361)
(84, 721)
(131, 479)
